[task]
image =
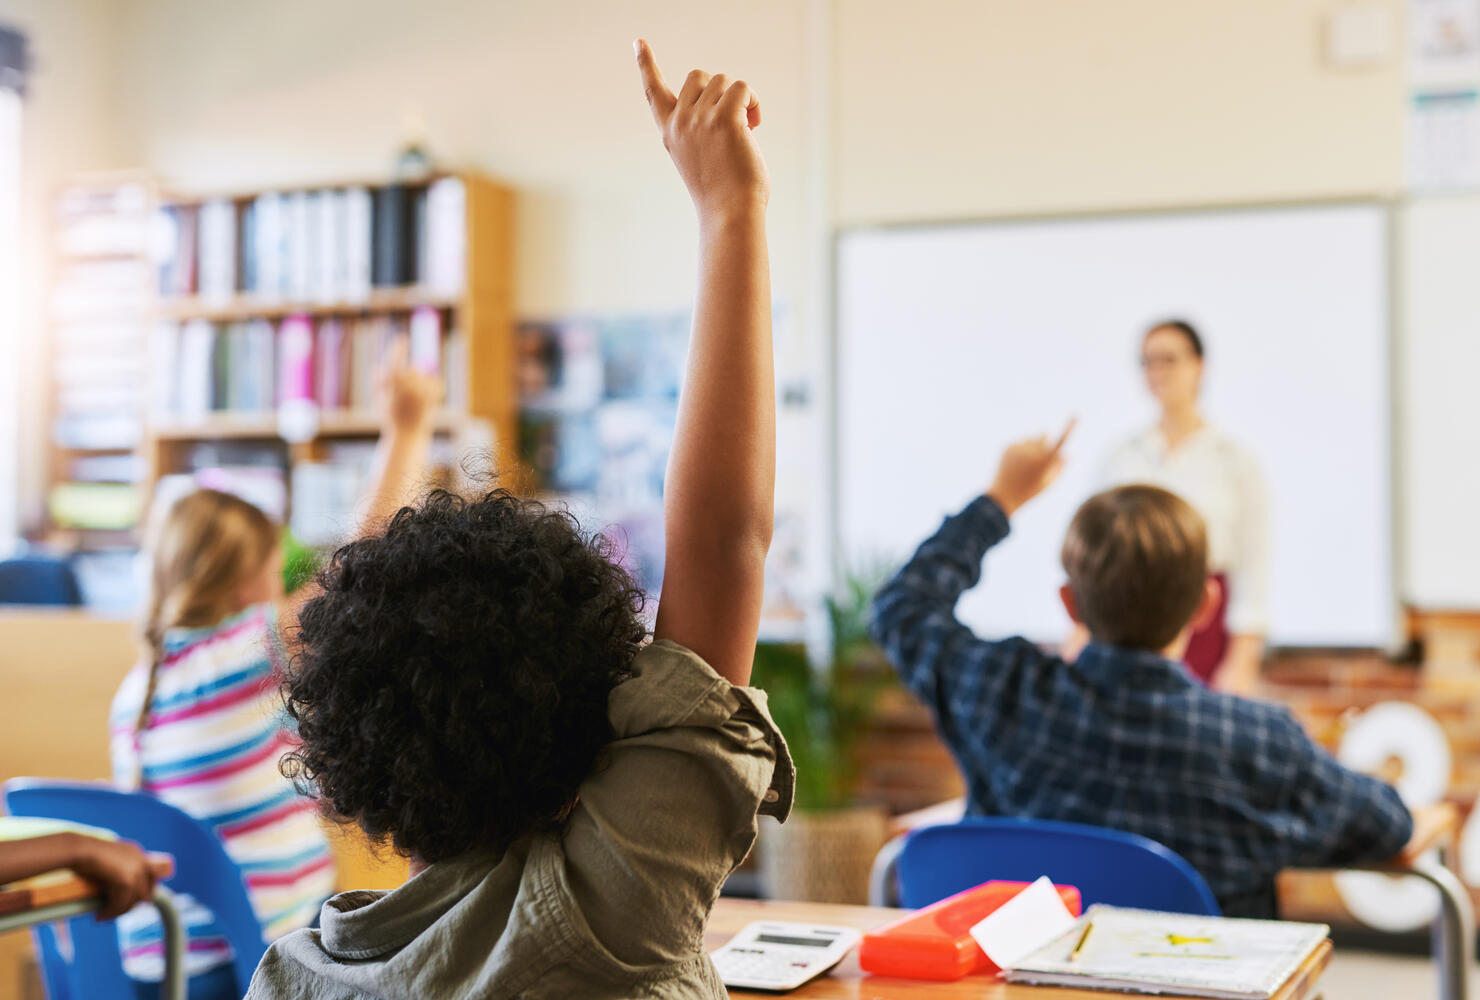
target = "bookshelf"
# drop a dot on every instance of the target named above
(273, 312)
(97, 318)
(246, 346)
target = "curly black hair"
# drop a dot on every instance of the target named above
(451, 681)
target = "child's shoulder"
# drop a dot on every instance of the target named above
(247, 625)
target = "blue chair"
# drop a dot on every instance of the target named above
(1107, 866)
(92, 967)
(38, 580)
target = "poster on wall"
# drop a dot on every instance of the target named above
(1444, 94)
(598, 406)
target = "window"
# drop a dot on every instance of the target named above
(12, 85)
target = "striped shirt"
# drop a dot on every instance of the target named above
(216, 733)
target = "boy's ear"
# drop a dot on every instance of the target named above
(1208, 609)
(1071, 603)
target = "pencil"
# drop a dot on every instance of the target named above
(1083, 937)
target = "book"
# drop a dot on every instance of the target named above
(267, 245)
(95, 506)
(217, 249)
(1143, 951)
(192, 375)
(394, 250)
(246, 240)
(332, 365)
(357, 261)
(425, 349)
(446, 237)
(324, 494)
(328, 246)
(295, 360)
(298, 257)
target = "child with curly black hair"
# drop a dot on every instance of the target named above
(473, 686)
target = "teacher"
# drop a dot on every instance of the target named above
(1221, 480)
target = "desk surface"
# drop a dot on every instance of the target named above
(63, 886)
(50, 889)
(847, 982)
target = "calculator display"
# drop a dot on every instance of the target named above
(799, 941)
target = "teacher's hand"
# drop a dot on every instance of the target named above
(1027, 469)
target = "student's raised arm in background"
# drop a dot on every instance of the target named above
(914, 617)
(398, 470)
(719, 489)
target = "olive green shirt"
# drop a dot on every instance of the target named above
(613, 905)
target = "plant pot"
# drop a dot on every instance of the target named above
(822, 857)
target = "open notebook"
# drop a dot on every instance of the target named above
(1146, 952)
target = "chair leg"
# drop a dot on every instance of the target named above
(175, 980)
(1454, 928)
(882, 889)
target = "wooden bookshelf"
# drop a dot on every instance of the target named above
(239, 307)
(98, 229)
(264, 426)
(480, 314)
(476, 307)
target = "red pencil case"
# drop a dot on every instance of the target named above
(936, 942)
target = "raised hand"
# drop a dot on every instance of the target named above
(719, 492)
(1027, 469)
(706, 128)
(410, 397)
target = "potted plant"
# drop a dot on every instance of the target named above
(824, 851)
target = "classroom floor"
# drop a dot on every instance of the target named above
(1365, 975)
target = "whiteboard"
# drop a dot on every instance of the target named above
(1440, 417)
(953, 341)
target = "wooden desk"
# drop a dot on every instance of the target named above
(848, 982)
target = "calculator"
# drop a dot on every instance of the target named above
(777, 956)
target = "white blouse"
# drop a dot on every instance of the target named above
(1222, 481)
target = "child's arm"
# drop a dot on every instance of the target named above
(914, 617)
(126, 874)
(400, 465)
(719, 489)
(1341, 817)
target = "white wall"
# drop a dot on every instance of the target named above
(971, 108)
(543, 95)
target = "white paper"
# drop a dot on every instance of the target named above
(1444, 139)
(1023, 924)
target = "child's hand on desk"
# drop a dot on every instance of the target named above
(126, 874)
(410, 397)
(707, 131)
(1027, 469)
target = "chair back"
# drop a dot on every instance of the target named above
(91, 966)
(38, 580)
(1107, 866)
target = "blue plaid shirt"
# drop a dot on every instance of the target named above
(1125, 738)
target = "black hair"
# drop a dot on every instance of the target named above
(1183, 327)
(451, 682)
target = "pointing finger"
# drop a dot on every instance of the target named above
(659, 97)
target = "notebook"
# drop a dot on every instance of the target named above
(1146, 952)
